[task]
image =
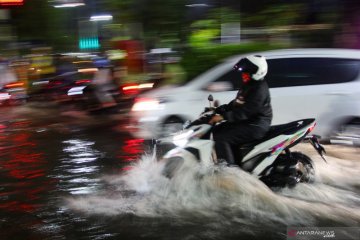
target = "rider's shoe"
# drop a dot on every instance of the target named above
(232, 165)
(221, 162)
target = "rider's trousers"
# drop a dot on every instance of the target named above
(228, 136)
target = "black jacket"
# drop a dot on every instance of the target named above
(251, 106)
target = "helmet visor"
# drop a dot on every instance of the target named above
(245, 65)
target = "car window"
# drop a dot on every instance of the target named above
(232, 77)
(311, 71)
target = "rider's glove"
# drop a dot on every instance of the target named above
(221, 109)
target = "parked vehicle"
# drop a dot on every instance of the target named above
(319, 83)
(56, 88)
(129, 92)
(13, 94)
(269, 158)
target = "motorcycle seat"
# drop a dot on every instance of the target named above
(276, 130)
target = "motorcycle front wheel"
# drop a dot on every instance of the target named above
(171, 166)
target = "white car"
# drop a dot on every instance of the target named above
(304, 83)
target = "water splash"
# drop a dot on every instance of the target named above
(227, 196)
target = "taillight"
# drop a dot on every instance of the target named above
(130, 89)
(311, 128)
(82, 81)
(135, 88)
(145, 104)
(88, 70)
(146, 85)
(14, 85)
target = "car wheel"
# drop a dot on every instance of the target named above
(348, 133)
(171, 125)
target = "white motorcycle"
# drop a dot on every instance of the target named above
(269, 158)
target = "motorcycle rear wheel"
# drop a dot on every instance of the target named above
(305, 171)
(290, 170)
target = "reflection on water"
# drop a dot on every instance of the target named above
(78, 166)
(23, 168)
(39, 169)
(132, 149)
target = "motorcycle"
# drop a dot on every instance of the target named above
(269, 159)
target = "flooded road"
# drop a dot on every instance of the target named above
(71, 176)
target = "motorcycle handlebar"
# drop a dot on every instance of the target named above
(205, 118)
(202, 120)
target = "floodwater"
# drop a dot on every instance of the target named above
(71, 176)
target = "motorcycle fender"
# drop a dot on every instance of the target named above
(205, 148)
(199, 150)
(180, 152)
(264, 164)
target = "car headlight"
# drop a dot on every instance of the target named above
(145, 104)
(76, 91)
(148, 104)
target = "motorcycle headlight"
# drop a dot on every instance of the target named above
(182, 138)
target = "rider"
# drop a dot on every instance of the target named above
(248, 117)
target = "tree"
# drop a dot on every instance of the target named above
(159, 18)
(274, 15)
(38, 21)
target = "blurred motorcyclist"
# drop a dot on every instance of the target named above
(102, 80)
(248, 117)
(7, 75)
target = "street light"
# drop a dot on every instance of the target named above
(198, 5)
(68, 3)
(106, 17)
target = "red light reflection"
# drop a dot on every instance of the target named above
(127, 168)
(131, 150)
(24, 167)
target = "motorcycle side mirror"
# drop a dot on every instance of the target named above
(210, 98)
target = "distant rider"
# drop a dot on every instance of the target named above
(248, 117)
